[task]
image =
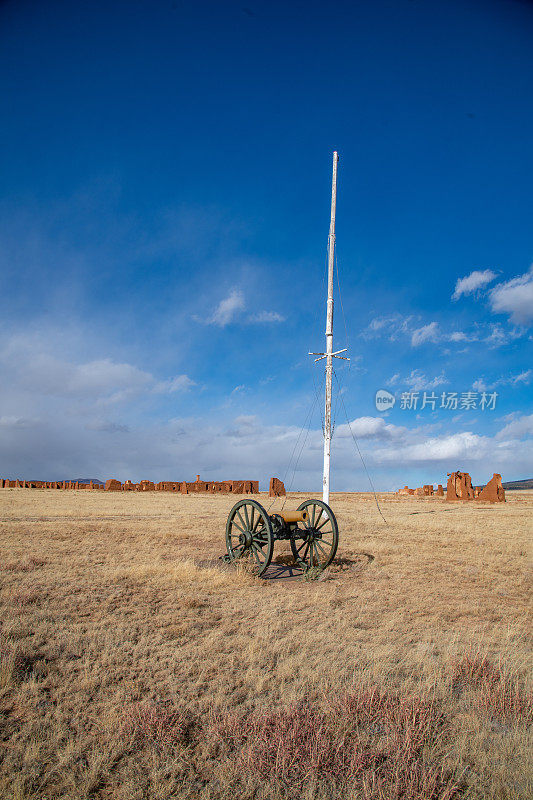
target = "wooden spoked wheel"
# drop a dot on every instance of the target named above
(315, 545)
(249, 535)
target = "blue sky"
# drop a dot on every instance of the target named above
(164, 211)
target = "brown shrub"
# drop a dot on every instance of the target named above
(369, 741)
(506, 699)
(155, 724)
(10, 662)
(20, 599)
(501, 696)
(24, 566)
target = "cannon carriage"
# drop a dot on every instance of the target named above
(312, 531)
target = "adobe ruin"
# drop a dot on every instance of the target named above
(277, 488)
(493, 491)
(459, 487)
(423, 491)
(114, 485)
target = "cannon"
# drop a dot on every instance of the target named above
(312, 531)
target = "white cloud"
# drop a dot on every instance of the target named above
(392, 326)
(427, 333)
(417, 381)
(227, 309)
(450, 447)
(395, 326)
(29, 368)
(96, 378)
(518, 428)
(17, 422)
(369, 428)
(106, 426)
(60, 446)
(515, 297)
(36, 370)
(480, 385)
(378, 323)
(522, 377)
(245, 425)
(498, 336)
(471, 283)
(266, 316)
(181, 383)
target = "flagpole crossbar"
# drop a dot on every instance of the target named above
(333, 355)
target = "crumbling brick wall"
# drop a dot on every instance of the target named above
(114, 485)
(277, 488)
(459, 487)
(493, 491)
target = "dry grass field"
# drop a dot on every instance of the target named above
(134, 664)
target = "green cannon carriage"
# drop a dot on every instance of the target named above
(312, 531)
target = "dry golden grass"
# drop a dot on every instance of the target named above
(134, 664)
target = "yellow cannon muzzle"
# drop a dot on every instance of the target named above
(294, 516)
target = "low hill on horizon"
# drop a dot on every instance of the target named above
(525, 484)
(85, 480)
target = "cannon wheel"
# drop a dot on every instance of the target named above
(249, 534)
(318, 541)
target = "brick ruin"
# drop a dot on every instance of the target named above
(459, 488)
(277, 488)
(493, 491)
(5, 483)
(113, 485)
(423, 491)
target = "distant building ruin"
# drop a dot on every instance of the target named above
(423, 491)
(493, 491)
(277, 488)
(460, 487)
(114, 485)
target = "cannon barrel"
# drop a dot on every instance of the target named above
(294, 516)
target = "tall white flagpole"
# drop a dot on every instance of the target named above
(329, 333)
(329, 355)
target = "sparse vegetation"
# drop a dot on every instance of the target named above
(135, 664)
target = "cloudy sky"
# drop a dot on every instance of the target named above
(164, 211)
